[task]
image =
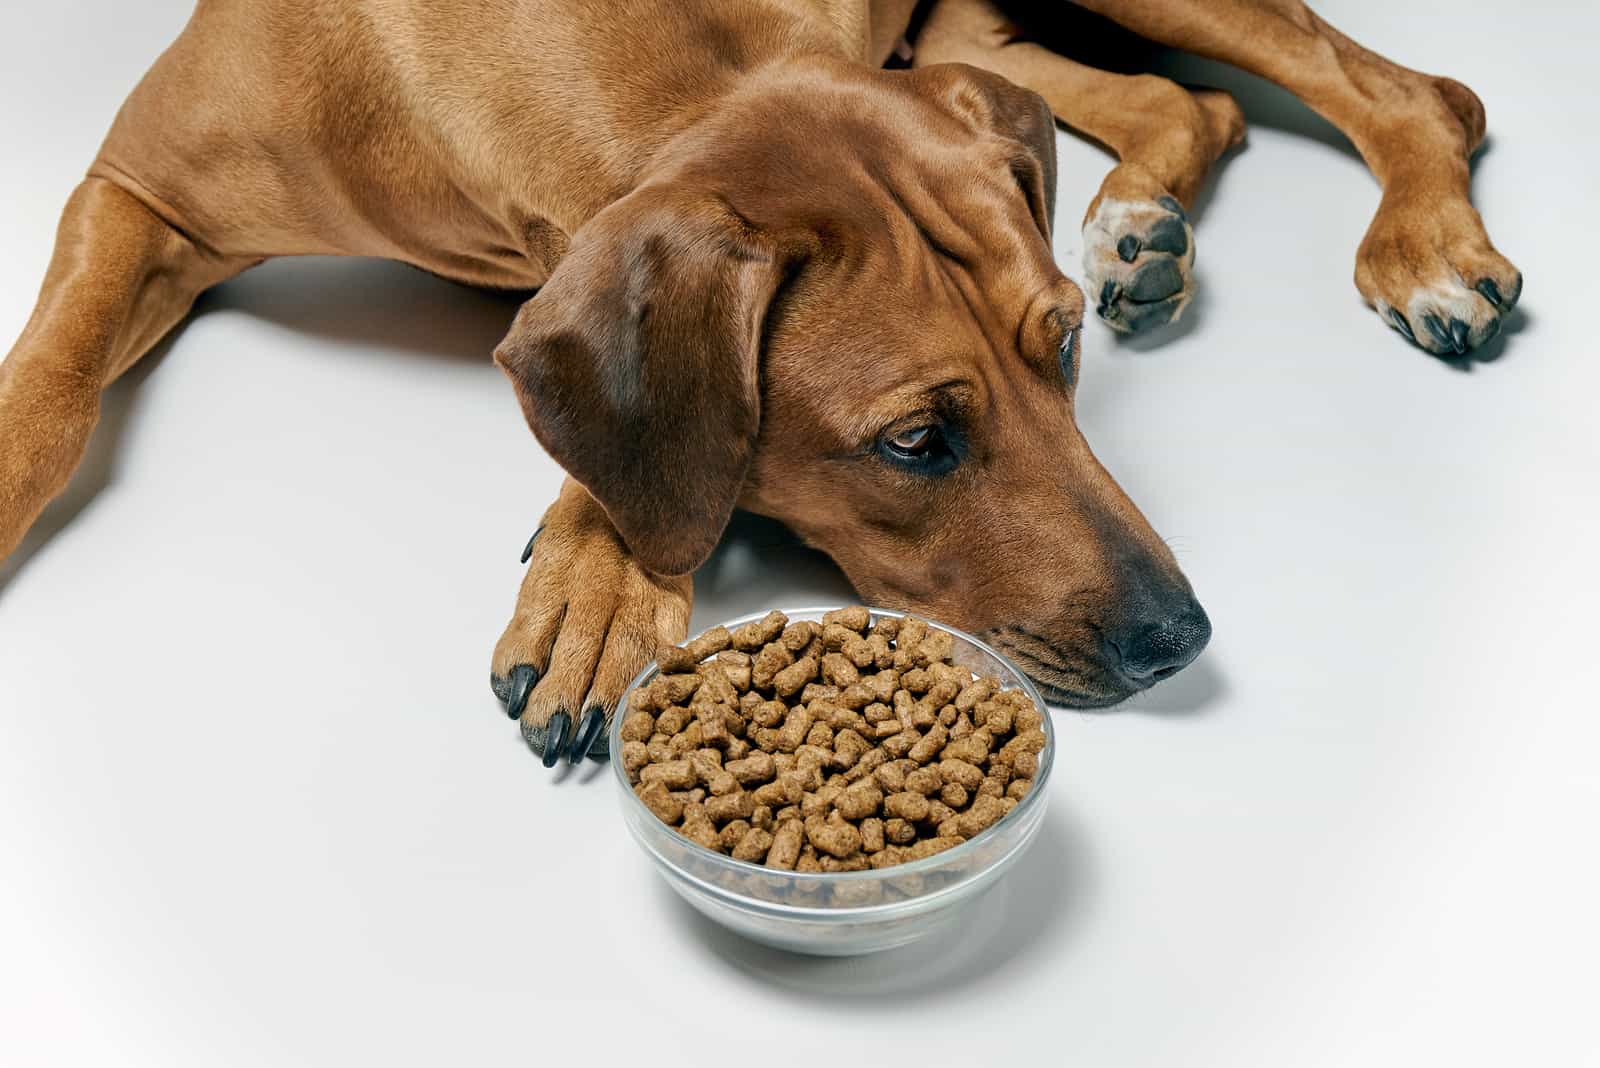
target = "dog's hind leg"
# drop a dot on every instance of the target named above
(1426, 263)
(1138, 251)
(119, 279)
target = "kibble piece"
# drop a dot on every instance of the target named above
(808, 861)
(860, 652)
(891, 776)
(930, 744)
(849, 747)
(758, 767)
(753, 636)
(859, 800)
(899, 831)
(791, 735)
(697, 826)
(854, 618)
(886, 729)
(753, 846)
(634, 757)
(772, 659)
(1027, 719)
(1019, 789)
(1025, 765)
(638, 727)
(906, 805)
(789, 681)
(984, 811)
(974, 748)
(669, 690)
(787, 789)
(731, 834)
(870, 762)
(930, 846)
(836, 637)
(854, 862)
(799, 634)
(736, 665)
(816, 691)
(888, 628)
(955, 795)
(938, 812)
(785, 848)
(674, 774)
(832, 835)
(819, 801)
(872, 839)
(739, 805)
(900, 744)
(660, 800)
(973, 692)
(837, 670)
(912, 631)
(924, 781)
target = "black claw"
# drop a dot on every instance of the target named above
(1172, 205)
(527, 553)
(1108, 295)
(555, 738)
(1491, 292)
(1128, 248)
(1398, 321)
(587, 734)
(1516, 294)
(1168, 235)
(1156, 280)
(1459, 332)
(1435, 327)
(523, 677)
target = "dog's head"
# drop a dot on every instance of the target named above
(835, 303)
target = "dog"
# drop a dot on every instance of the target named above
(778, 266)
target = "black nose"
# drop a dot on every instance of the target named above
(1151, 649)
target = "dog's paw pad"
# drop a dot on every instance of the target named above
(1138, 257)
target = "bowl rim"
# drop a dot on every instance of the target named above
(1033, 799)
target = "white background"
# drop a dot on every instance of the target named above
(258, 806)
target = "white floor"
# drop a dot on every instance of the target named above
(258, 806)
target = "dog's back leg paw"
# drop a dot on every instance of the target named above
(1138, 253)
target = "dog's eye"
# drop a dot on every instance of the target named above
(913, 442)
(1068, 357)
(925, 450)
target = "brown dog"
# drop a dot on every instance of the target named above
(773, 275)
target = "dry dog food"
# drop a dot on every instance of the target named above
(832, 746)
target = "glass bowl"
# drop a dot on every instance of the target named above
(843, 913)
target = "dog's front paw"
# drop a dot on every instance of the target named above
(1428, 268)
(1138, 259)
(588, 620)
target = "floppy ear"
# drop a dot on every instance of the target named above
(1001, 106)
(637, 366)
